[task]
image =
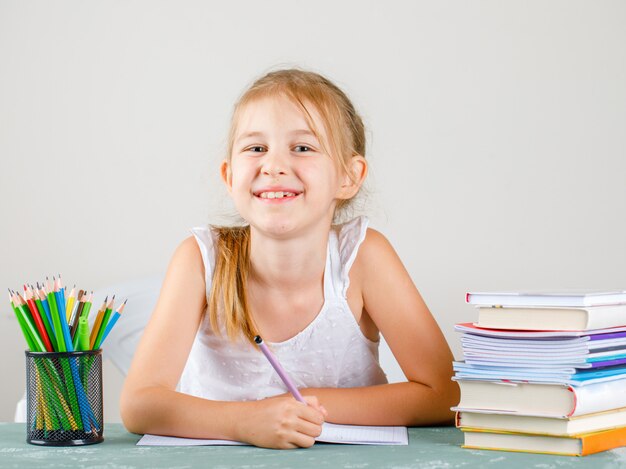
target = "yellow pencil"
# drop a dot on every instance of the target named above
(70, 303)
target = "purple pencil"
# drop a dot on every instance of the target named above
(279, 369)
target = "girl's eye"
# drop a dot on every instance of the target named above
(302, 148)
(256, 149)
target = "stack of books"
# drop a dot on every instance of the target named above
(544, 373)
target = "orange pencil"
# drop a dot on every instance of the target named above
(96, 324)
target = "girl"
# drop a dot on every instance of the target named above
(319, 294)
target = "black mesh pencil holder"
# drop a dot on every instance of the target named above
(64, 398)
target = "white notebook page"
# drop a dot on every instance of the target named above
(331, 433)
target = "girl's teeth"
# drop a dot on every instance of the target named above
(276, 195)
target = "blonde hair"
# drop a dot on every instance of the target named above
(346, 138)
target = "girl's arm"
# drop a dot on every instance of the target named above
(398, 311)
(149, 401)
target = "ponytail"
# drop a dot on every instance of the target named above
(230, 283)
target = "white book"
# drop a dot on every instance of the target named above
(540, 399)
(562, 299)
(560, 426)
(537, 318)
(331, 433)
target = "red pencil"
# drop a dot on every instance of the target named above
(37, 318)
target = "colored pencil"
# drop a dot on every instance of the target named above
(45, 318)
(103, 324)
(87, 307)
(54, 312)
(60, 292)
(37, 319)
(61, 310)
(76, 314)
(111, 323)
(70, 303)
(22, 323)
(30, 325)
(96, 325)
(46, 307)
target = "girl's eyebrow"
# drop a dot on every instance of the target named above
(302, 132)
(249, 135)
(256, 133)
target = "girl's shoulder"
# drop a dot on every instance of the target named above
(375, 257)
(188, 253)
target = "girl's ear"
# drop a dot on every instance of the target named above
(227, 175)
(353, 179)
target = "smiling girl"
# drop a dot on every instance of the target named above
(319, 294)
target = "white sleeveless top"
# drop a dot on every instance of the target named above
(330, 352)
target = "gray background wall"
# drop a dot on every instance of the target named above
(497, 137)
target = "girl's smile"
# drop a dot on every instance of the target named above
(277, 194)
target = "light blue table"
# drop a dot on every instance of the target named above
(432, 448)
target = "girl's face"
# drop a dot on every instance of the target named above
(280, 179)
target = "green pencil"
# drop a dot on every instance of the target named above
(20, 320)
(46, 323)
(54, 312)
(34, 334)
(103, 326)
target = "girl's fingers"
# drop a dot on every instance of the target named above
(313, 403)
(308, 428)
(303, 441)
(311, 414)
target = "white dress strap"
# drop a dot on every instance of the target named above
(204, 238)
(344, 244)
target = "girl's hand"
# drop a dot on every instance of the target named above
(283, 423)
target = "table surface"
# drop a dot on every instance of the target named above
(430, 447)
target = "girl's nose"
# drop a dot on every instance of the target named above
(274, 164)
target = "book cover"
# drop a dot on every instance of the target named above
(574, 445)
(535, 318)
(540, 399)
(556, 426)
(548, 373)
(563, 299)
(595, 334)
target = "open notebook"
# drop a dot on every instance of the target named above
(331, 433)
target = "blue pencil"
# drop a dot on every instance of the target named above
(67, 338)
(112, 322)
(62, 296)
(46, 308)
